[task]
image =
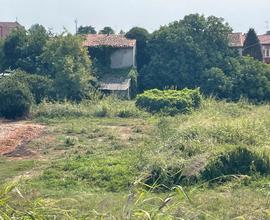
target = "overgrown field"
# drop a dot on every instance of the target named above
(109, 160)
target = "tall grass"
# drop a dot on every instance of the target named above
(107, 107)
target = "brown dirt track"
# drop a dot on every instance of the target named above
(14, 137)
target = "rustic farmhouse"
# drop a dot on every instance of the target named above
(7, 27)
(115, 55)
(236, 40)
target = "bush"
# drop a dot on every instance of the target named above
(239, 161)
(15, 98)
(41, 87)
(169, 101)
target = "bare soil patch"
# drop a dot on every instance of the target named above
(14, 137)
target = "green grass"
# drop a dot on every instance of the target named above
(97, 159)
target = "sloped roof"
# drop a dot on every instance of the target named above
(117, 41)
(238, 39)
(114, 83)
(7, 27)
(264, 39)
(9, 24)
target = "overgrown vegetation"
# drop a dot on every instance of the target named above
(101, 160)
(169, 101)
(15, 98)
(105, 158)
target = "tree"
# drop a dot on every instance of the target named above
(2, 55)
(215, 82)
(30, 60)
(181, 51)
(141, 36)
(251, 79)
(252, 46)
(22, 49)
(86, 30)
(107, 30)
(68, 63)
(13, 48)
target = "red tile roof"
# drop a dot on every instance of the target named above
(238, 39)
(264, 39)
(118, 41)
(7, 27)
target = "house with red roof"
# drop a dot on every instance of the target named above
(7, 27)
(116, 56)
(236, 41)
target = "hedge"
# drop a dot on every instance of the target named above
(169, 101)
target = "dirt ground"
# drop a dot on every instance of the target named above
(14, 137)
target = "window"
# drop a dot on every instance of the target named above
(266, 52)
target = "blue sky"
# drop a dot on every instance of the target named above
(124, 14)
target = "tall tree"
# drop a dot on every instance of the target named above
(22, 49)
(86, 30)
(141, 36)
(183, 50)
(107, 30)
(13, 48)
(68, 63)
(252, 46)
(30, 61)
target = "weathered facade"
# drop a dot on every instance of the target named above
(236, 40)
(7, 27)
(121, 60)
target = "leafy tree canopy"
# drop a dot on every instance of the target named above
(86, 30)
(107, 30)
(181, 51)
(22, 49)
(141, 36)
(68, 63)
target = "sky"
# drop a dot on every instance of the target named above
(124, 14)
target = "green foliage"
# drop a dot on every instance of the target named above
(169, 101)
(181, 51)
(239, 161)
(61, 109)
(246, 72)
(13, 48)
(22, 49)
(215, 82)
(141, 36)
(15, 98)
(133, 75)
(86, 30)
(252, 46)
(107, 30)
(2, 55)
(68, 63)
(101, 57)
(41, 87)
(111, 173)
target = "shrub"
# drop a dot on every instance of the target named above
(15, 98)
(163, 178)
(169, 101)
(239, 161)
(40, 86)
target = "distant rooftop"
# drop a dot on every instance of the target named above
(238, 39)
(117, 41)
(7, 27)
